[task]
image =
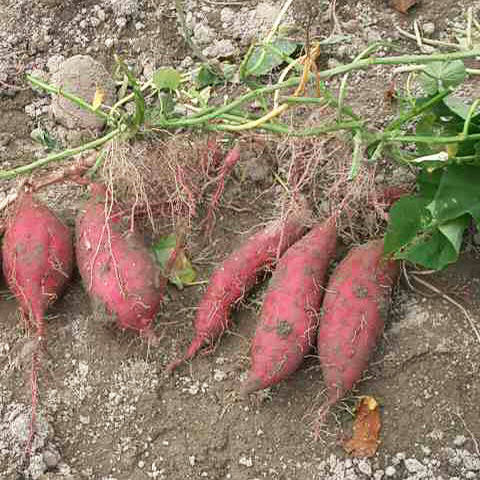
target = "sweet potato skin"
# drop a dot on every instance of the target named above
(117, 269)
(235, 277)
(355, 304)
(289, 317)
(37, 256)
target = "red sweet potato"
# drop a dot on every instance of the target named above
(288, 322)
(235, 277)
(37, 263)
(354, 307)
(117, 270)
(37, 258)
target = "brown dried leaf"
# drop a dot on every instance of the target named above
(402, 6)
(366, 429)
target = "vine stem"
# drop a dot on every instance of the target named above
(419, 139)
(210, 114)
(471, 113)
(58, 156)
(417, 111)
(73, 98)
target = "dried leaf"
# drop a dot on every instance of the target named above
(98, 98)
(366, 429)
(402, 6)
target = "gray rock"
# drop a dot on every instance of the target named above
(460, 440)
(125, 8)
(36, 467)
(471, 462)
(204, 34)
(54, 62)
(223, 49)
(51, 458)
(390, 471)
(413, 465)
(80, 75)
(364, 467)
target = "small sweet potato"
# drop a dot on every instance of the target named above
(235, 277)
(289, 317)
(354, 307)
(117, 270)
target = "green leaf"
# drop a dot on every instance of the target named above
(438, 76)
(458, 194)
(206, 77)
(435, 249)
(458, 107)
(44, 137)
(453, 231)
(407, 218)
(167, 78)
(262, 61)
(428, 183)
(426, 127)
(182, 272)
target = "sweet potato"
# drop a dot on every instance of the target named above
(354, 307)
(235, 277)
(37, 263)
(37, 258)
(117, 270)
(288, 321)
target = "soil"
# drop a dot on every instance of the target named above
(107, 409)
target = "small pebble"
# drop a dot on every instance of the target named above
(460, 440)
(413, 465)
(378, 475)
(365, 467)
(390, 471)
(245, 461)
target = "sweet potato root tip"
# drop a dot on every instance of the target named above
(250, 385)
(236, 276)
(197, 343)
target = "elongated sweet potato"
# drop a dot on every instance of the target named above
(289, 317)
(117, 270)
(354, 307)
(235, 277)
(37, 257)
